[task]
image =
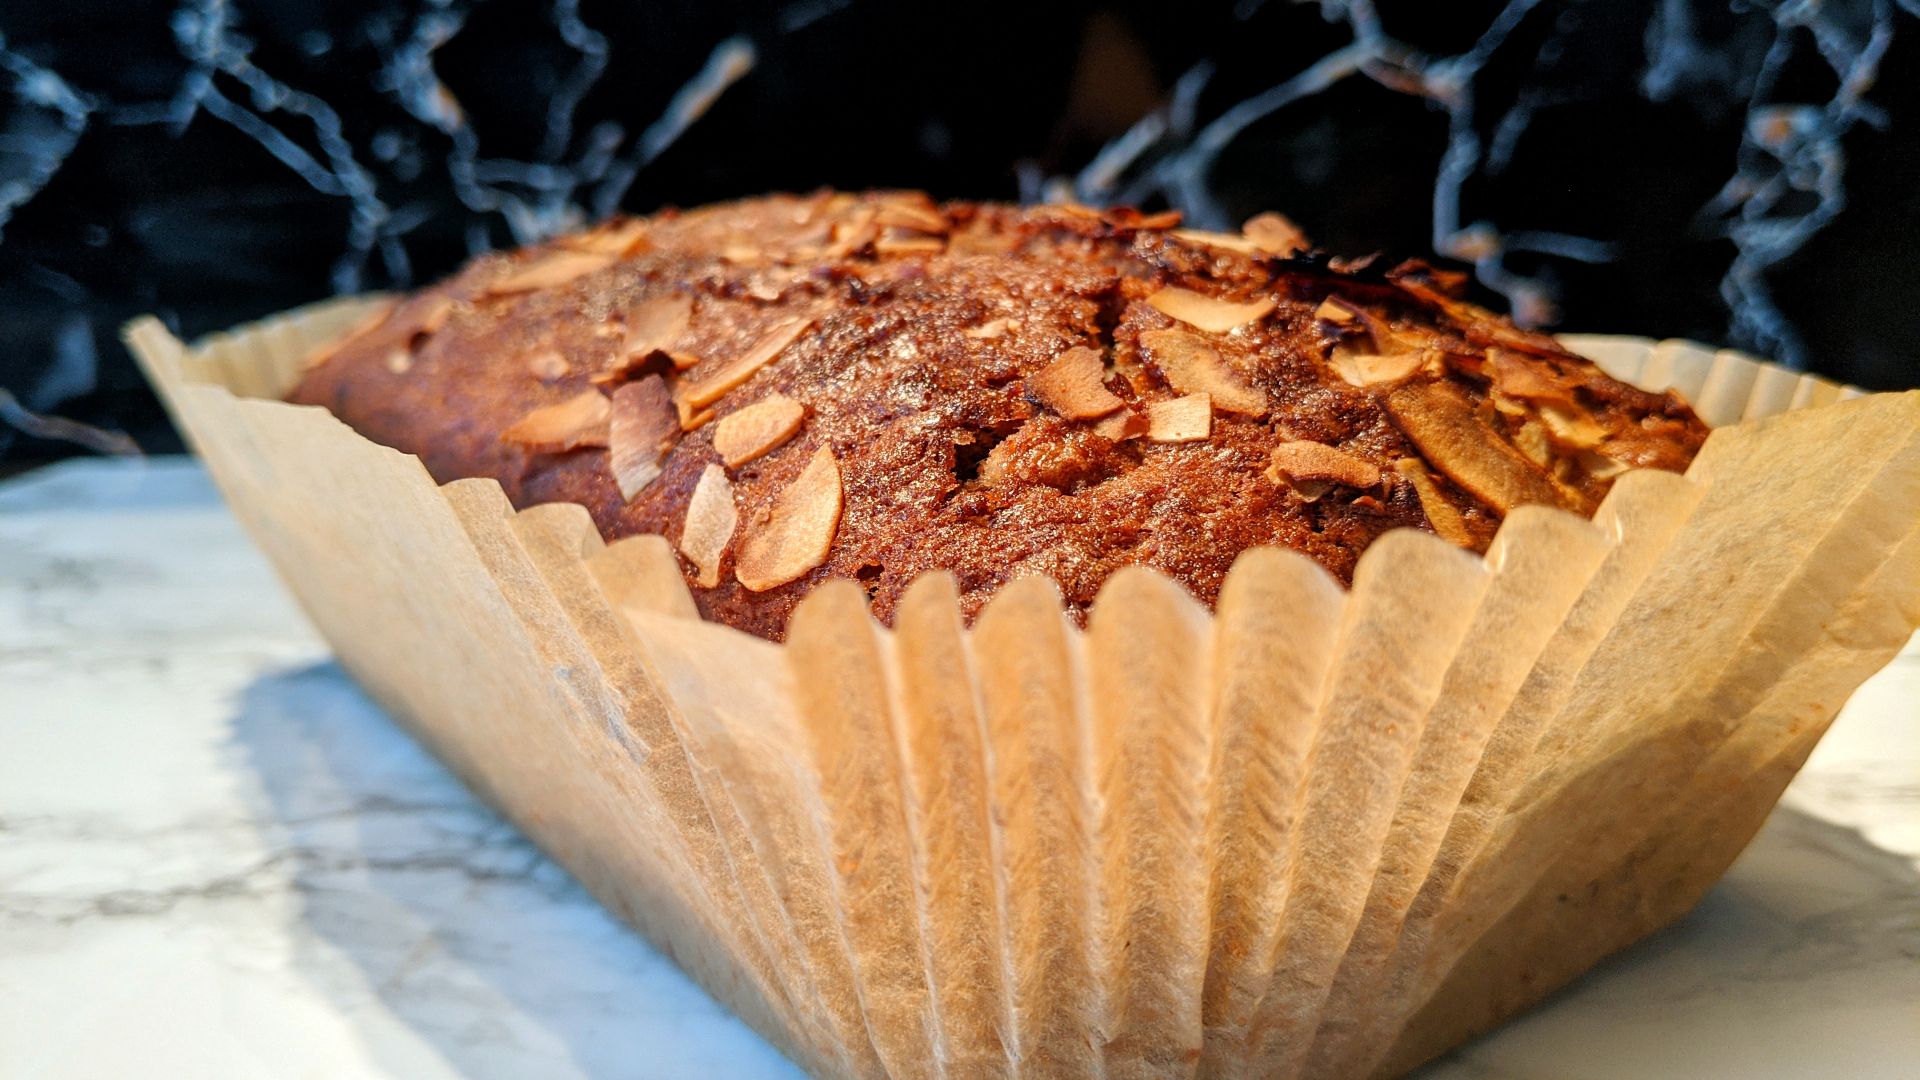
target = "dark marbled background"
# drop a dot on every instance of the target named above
(1738, 172)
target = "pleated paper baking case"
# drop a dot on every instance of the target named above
(1315, 833)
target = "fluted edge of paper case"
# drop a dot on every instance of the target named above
(1317, 832)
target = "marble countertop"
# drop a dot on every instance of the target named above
(218, 859)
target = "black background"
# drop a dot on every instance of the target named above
(183, 158)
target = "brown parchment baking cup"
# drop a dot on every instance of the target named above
(1318, 832)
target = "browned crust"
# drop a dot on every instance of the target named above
(924, 344)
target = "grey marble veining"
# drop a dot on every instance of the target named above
(218, 859)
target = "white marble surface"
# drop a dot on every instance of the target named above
(217, 859)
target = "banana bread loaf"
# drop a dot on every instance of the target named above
(797, 387)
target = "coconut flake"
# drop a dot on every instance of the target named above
(656, 323)
(1193, 367)
(1445, 517)
(739, 370)
(1441, 422)
(1304, 460)
(749, 433)
(1183, 419)
(1275, 234)
(1122, 426)
(1073, 385)
(711, 521)
(1226, 241)
(642, 428)
(1572, 426)
(1518, 377)
(550, 271)
(907, 215)
(797, 532)
(1206, 312)
(581, 420)
(626, 238)
(1372, 369)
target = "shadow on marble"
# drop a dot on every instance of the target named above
(421, 905)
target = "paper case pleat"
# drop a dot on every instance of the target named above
(1569, 921)
(1148, 646)
(1542, 562)
(1318, 833)
(736, 696)
(939, 732)
(838, 657)
(1641, 515)
(1625, 743)
(1029, 663)
(1413, 598)
(1279, 615)
(434, 623)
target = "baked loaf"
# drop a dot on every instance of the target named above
(797, 387)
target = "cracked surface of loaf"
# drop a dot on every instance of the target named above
(799, 387)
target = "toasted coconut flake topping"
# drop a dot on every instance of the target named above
(742, 436)
(798, 531)
(626, 238)
(1441, 422)
(739, 370)
(1122, 426)
(551, 270)
(1126, 217)
(1445, 517)
(548, 365)
(1569, 424)
(692, 419)
(849, 236)
(1074, 386)
(642, 428)
(908, 242)
(581, 420)
(1532, 441)
(1275, 234)
(656, 324)
(992, 328)
(1193, 367)
(1303, 460)
(711, 521)
(906, 215)
(1336, 311)
(1205, 312)
(1184, 419)
(1515, 376)
(1226, 241)
(1368, 369)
